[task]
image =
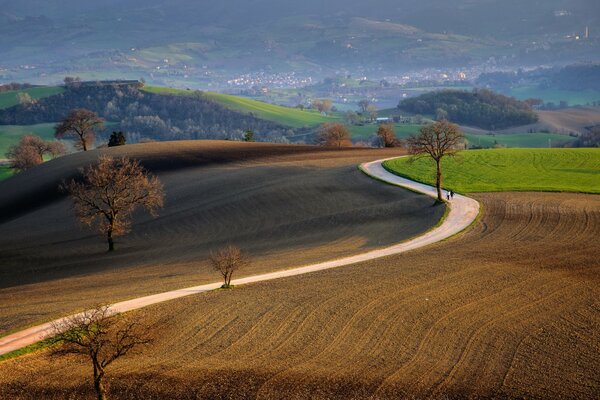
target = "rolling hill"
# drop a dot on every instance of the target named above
(286, 116)
(286, 205)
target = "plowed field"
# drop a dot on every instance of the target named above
(511, 309)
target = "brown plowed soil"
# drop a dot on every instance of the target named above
(511, 309)
(287, 206)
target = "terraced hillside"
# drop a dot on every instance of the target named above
(568, 170)
(286, 205)
(508, 310)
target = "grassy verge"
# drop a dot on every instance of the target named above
(44, 344)
(556, 170)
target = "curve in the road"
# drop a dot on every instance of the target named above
(462, 212)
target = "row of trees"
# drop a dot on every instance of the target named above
(338, 135)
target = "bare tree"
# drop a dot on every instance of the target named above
(100, 336)
(80, 125)
(364, 105)
(334, 135)
(387, 136)
(437, 141)
(228, 260)
(31, 150)
(323, 106)
(110, 192)
(372, 111)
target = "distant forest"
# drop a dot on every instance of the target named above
(143, 115)
(572, 77)
(481, 108)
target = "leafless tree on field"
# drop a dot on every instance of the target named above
(228, 260)
(31, 150)
(364, 105)
(334, 135)
(436, 140)
(100, 336)
(323, 106)
(372, 111)
(80, 125)
(109, 193)
(387, 136)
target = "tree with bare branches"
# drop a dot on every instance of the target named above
(102, 337)
(109, 193)
(31, 150)
(324, 106)
(372, 111)
(437, 140)
(364, 105)
(334, 135)
(226, 261)
(387, 136)
(79, 124)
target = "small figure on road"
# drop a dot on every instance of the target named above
(452, 194)
(448, 195)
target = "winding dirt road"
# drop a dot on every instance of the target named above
(462, 212)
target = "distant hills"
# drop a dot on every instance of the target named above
(154, 36)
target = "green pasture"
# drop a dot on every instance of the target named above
(557, 170)
(9, 99)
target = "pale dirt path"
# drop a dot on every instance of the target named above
(463, 211)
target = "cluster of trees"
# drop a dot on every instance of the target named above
(480, 107)
(9, 87)
(146, 115)
(591, 138)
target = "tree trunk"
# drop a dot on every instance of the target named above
(438, 180)
(111, 243)
(98, 382)
(83, 142)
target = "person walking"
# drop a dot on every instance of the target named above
(448, 195)
(452, 194)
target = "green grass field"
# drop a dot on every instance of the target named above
(518, 140)
(5, 172)
(563, 170)
(9, 99)
(292, 117)
(366, 131)
(11, 134)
